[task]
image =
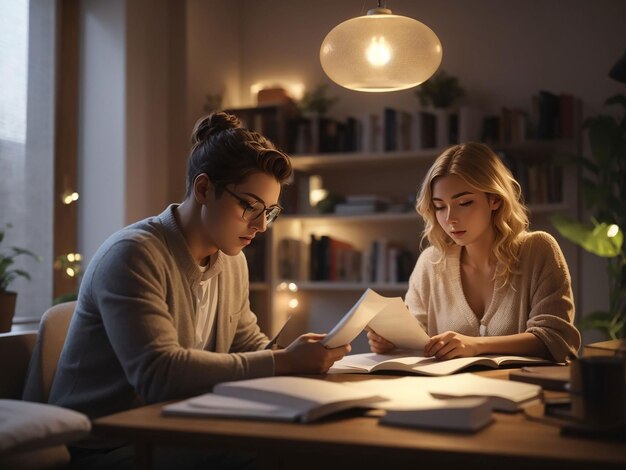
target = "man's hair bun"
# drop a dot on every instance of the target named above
(212, 125)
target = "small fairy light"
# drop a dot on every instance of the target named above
(70, 198)
(70, 272)
(293, 303)
(293, 287)
(283, 286)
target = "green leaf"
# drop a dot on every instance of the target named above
(23, 251)
(21, 272)
(595, 239)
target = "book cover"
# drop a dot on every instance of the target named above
(548, 377)
(275, 398)
(464, 414)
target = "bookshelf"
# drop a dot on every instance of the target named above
(394, 176)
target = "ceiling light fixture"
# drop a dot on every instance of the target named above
(380, 52)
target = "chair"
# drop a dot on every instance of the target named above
(50, 340)
(35, 434)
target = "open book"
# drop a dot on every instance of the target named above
(275, 398)
(369, 362)
(429, 393)
(387, 316)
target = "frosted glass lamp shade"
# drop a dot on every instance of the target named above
(380, 52)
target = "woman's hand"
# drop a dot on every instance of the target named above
(449, 345)
(378, 344)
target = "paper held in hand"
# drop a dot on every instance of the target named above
(387, 316)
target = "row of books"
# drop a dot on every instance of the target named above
(551, 116)
(387, 131)
(541, 181)
(331, 259)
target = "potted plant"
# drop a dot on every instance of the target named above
(440, 91)
(604, 193)
(7, 275)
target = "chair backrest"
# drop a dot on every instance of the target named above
(50, 340)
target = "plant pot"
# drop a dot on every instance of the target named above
(7, 310)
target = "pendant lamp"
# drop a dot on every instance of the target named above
(380, 52)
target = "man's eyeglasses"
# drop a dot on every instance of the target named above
(253, 210)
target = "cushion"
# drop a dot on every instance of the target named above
(27, 425)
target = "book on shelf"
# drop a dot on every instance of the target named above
(548, 377)
(331, 259)
(275, 398)
(362, 204)
(415, 364)
(388, 316)
(289, 255)
(255, 255)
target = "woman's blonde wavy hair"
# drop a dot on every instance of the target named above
(482, 169)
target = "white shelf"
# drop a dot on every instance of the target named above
(349, 286)
(547, 208)
(357, 218)
(334, 160)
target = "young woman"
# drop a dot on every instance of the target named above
(163, 309)
(486, 285)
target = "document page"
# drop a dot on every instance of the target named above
(357, 318)
(387, 316)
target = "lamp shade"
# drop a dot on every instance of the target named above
(380, 52)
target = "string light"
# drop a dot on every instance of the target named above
(70, 198)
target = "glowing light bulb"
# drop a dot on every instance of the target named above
(612, 231)
(70, 257)
(293, 287)
(378, 52)
(293, 303)
(70, 272)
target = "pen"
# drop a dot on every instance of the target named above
(275, 338)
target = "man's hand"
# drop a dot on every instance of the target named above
(449, 345)
(378, 344)
(306, 355)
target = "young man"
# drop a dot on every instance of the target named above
(163, 309)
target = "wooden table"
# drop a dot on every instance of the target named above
(351, 440)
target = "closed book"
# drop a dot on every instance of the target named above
(465, 414)
(548, 377)
(275, 398)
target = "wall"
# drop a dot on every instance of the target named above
(132, 58)
(102, 118)
(502, 52)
